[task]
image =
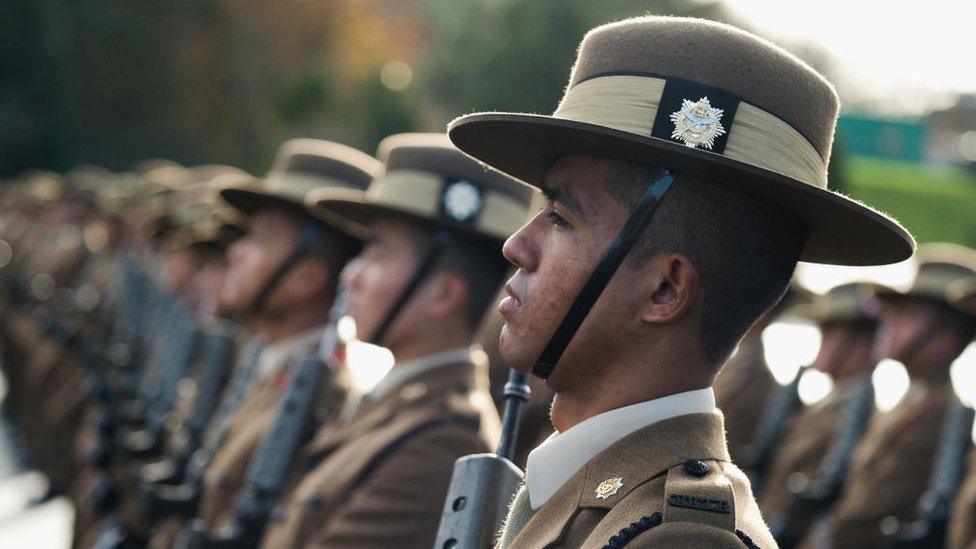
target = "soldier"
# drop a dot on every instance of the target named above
(848, 329)
(745, 384)
(962, 525)
(281, 280)
(632, 343)
(437, 220)
(891, 466)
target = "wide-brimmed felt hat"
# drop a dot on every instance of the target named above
(940, 265)
(704, 99)
(845, 303)
(431, 182)
(301, 166)
(962, 295)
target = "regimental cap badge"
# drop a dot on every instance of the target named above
(697, 123)
(462, 201)
(609, 487)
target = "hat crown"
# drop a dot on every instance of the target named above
(719, 56)
(326, 161)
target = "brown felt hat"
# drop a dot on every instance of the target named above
(705, 99)
(845, 303)
(301, 166)
(430, 181)
(940, 265)
(962, 295)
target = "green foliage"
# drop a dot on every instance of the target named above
(516, 54)
(936, 204)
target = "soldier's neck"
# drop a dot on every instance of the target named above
(621, 386)
(419, 347)
(281, 327)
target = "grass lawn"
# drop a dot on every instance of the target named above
(936, 204)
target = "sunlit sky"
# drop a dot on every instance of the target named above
(902, 56)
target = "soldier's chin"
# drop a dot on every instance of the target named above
(514, 353)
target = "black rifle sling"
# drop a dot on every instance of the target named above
(640, 216)
(441, 240)
(312, 232)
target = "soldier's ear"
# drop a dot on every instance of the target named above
(672, 285)
(447, 295)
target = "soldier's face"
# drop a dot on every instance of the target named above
(253, 258)
(555, 252)
(908, 337)
(178, 268)
(378, 276)
(844, 350)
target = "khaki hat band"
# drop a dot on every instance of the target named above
(630, 103)
(294, 186)
(420, 193)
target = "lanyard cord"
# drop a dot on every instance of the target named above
(441, 240)
(640, 216)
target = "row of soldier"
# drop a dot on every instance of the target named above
(171, 343)
(142, 430)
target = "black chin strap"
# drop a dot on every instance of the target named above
(640, 216)
(312, 232)
(441, 240)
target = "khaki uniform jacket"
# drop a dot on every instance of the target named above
(679, 489)
(741, 391)
(226, 474)
(889, 470)
(962, 525)
(380, 478)
(807, 439)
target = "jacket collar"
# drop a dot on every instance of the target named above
(554, 461)
(635, 459)
(447, 386)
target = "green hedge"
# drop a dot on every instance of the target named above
(937, 204)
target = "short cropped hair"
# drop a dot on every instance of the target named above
(745, 250)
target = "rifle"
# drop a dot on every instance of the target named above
(935, 505)
(817, 495)
(482, 485)
(160, 496)
(268, 473)
(186, 341)
(777, 410)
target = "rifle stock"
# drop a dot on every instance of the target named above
(482, 485)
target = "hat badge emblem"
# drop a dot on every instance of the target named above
(697, 123)
(609, 487)
(462, 201)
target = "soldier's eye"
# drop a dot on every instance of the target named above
(557, 220)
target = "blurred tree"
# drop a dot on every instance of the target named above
(516, 54)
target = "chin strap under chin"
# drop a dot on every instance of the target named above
(441, 241)
(640, 216)
(312, 232)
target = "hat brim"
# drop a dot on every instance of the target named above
(842, 231)
(353, 209)
(249, 201)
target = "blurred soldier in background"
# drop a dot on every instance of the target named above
(892, 464)
(848, 330)
(281, 280)
(745, 385)
(378, 477)
(962, 524)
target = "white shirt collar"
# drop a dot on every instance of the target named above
(399, 374)
(560, 456)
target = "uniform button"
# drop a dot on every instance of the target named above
(696, 467)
